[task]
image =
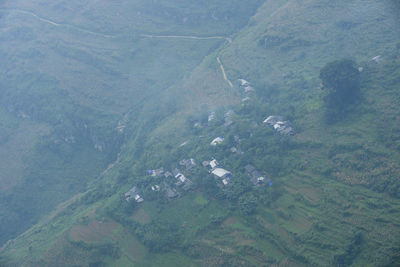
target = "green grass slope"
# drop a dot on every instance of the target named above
(334, 199)
(72, 72)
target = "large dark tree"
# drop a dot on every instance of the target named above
(341, 80)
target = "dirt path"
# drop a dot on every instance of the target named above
(224, 73)
(53, 23)
(187, 37)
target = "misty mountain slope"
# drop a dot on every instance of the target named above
(312, 217)
(333, 195)
(60, 72)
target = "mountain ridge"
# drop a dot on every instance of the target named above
(315, 173)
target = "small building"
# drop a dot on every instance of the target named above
(271, 120)
(187, 185)
(183, 182)
(237, 151)
(133, 193)
(280, 125)
(170, 192)
(197, 125)
(226, 181)
(181, 178)
(157, 172)
(228, 117)
(211, 117)
(176, 172)
(184, 143)
(255, 176)
(221, 173)
(249, 169)
(230, 113)
(213, 163)
(283, 127)
(155, 188)
(248, 89)
(188, 163)
(167, 174)
(245, 85)
(243, 82)
(377, 59)
(122, 123)
(217, 141)
(260, 180)
(234, 149)
(138, 198)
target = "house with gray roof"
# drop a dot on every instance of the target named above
(255, 176)
(280, 125)
(133, 193)
(189, 164)
(217, 141)
(156, 172)
(221, 173)
(170, 192)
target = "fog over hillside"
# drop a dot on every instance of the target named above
(199, 133)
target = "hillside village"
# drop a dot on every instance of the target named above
(182, 178)
(194, 133)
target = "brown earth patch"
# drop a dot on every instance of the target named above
(229, 221)
(311, 194)
(301, 224)
(141, 216)
(94, 232)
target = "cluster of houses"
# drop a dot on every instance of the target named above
(277, 122)
(246, 88)
(245, 85)
(234, 149)
(280, 125)
(211, 117)
(170, 189)
(122, 124)
(176, 180)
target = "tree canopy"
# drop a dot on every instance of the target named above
(341, 79)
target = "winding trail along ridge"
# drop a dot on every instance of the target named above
(55, 24)
(224, 73)
(111, 36)
(187, 37)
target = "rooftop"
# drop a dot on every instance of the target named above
(217, 140)
(220, 172)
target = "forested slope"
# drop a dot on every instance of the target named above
(330, 194)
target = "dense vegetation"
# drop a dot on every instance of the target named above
(67, 100)
(332, 196)
(342, 79)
